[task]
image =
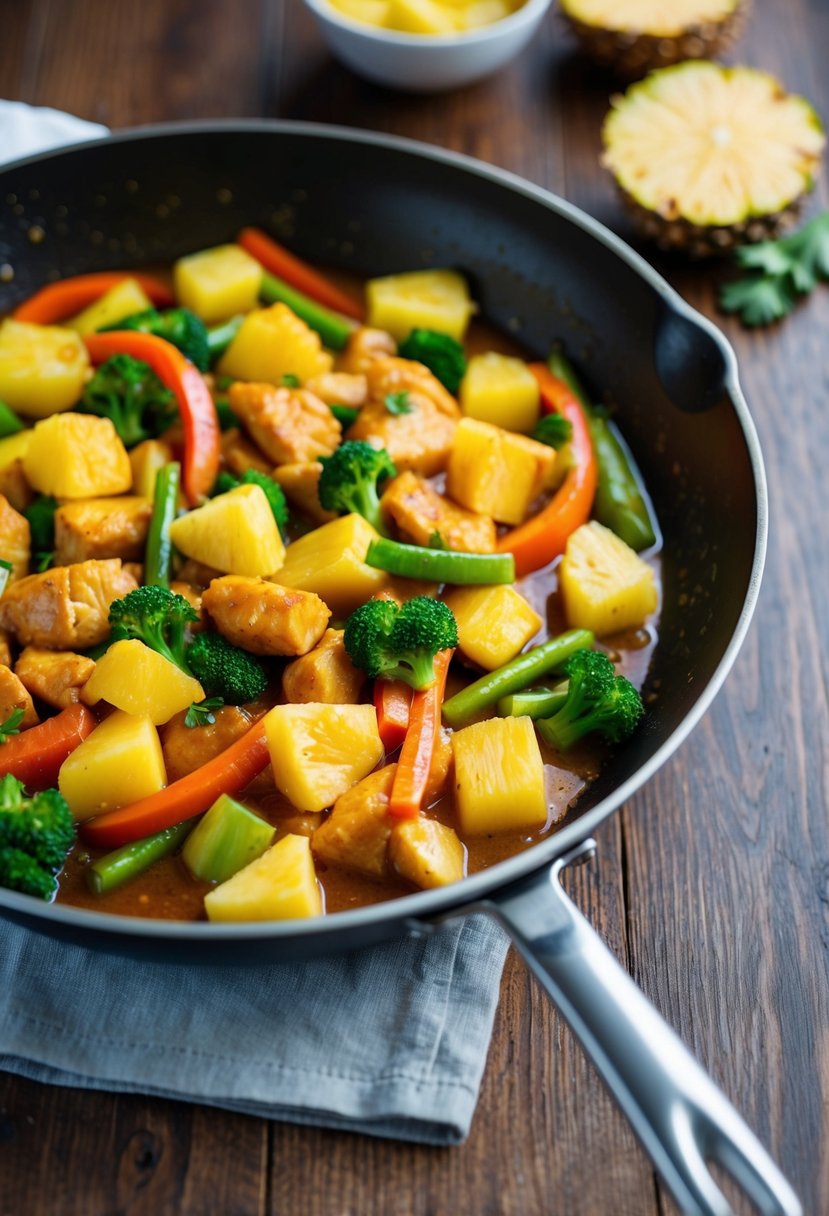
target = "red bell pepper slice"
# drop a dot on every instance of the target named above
(57, 301)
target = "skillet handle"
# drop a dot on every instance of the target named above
(679, 1115)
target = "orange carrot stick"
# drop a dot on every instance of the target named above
(392, 700)
(57, 301)
(296, 273)
(415, 761)
(35, 756)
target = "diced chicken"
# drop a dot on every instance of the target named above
(420, 512)
(356, 833)
(196, 574)
(420, 435)
(339, 388)
(427, 853)
(66, 608)
(326, 674)
(5, 649)
(15, 539)
(187, 748)
(55, 676)
(288, 424)
(136, 569)
(13, 695)
(191, 595)
(302, 823)
(100, 528)
(363, 347)
(301, 485)
(240, 454)
(265, 618)
(14, 485)
(441, 766)
(402, 589)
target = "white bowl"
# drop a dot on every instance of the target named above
(427, 63)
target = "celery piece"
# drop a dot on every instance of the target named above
(226, 840)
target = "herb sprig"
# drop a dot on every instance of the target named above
(779, 272)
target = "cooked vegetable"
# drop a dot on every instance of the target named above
(443, 355)
(606, 587)
(319, 751)
(11, 726)
(107, 873)
(279, 885)
(298, 274)
(227, 839)
(331, 561)
(597, 701)
(179, 326)
(415, 762)
(392, 701)
(147, 459)
(235, 533)
(554, 430)
(440, 565)
(203, 713)
(5, 570)
(36, 833)
(499, 777)
(427, 853)
(14, 448)
(272, 343)
(349, 480)
(134, 677)
(779, 272)
(346, 415)
(10, 424)
(533, 702)
(123, 300)
(121, 760)
(437, 300)
(42, 367)
(77, 456)
(67, 297)
(332, 328)
(129, 393)
(272, 490)
(400, 643)
(500, 390)
(220, 337)
(35, 756)
(157, 617)
(494, 623)
(217, 283)
(224, 670)
(497, 472)
(159, 549)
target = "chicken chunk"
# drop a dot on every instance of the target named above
(14, 695)
(196, 574)
(420, 438)
(325, 674)
(66, 608)
(440, 768)
(15, 486)
(5, 649)
(301, 485)
(363, 347)
(15, 539)
(339, 388)
(55, 676)
(356, 833)
(239, 454)
(427, 852)
(187, 748)
(419, 512)
(100, 528)
(263, 617)
(288, 424)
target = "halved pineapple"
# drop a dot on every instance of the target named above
(708, 157)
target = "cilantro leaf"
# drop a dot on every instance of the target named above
(201, 713)
(398, 403)
(12, 725)
(759, 300)
(784, 269)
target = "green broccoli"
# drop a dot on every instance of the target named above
(158, 618)
(41, 516)
(252, 477)
(443, 356)
(36, 833)
(597, 700)
(178, 326)
(350, 477)
(400, 643)
(130, 394)
(554, 430)
(225, 671)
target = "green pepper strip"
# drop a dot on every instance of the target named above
(441, 565)
(533, 702)
(159, 546)
(10, 424)
(333, 328)
(514, 676)
(620, 503)
(220, 337)
(126, 863)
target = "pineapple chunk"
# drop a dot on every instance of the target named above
(356, 833)
(606, 586)
(484, 12)
(14, 447)
(15, 539)
(319, 751)
(279, 885)
(42, 367)
(426, 299)
(77, 456)
(494, 623)
(120, 301)
(234, 532)
(331, 562)
(427, 852)
(145, 460)
(216, 283)
(140, 681)
(272, 343)
(499, 776)
(502, 391)
(497, 473)
(420, 17)
(120, 762)
(370, 12)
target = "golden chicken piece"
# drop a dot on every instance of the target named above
(263, 617)
(427, 852)
(66, 608)
(13, 695)
(240, 454)
(326, 674)
(301, 485)
(339, 388)
(193, 597)
(356, 833)
(15, 486)
(419, 512)
(363, 347)
(187, 748)
(196, 574)
(5, 649)
(55, 676)
(15, 539)
(101, 528)
(288, 424)
(419, 434)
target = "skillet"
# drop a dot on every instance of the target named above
(541, 269)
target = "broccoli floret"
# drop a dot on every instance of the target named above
(252, 477)
(349, 479)
(41, 516)
(224, 670)
(178, 326)
(36, 833)
(442, 355)
(158, 618)
(130, 394)
(554, 430)
(597, 700)
(20, 872)
(383, 639)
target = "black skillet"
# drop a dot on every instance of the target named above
(541, 269)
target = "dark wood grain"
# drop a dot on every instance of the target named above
(713, 884)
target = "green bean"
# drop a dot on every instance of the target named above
(159, 546)
(514, 676)
(220, 337)
(333, 328)
(10, 424)
(126, 863)
(441, 565)
(533, 702)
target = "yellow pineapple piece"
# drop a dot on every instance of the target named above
(146, 459)
(606, 586)
(484, 12)
(500, 390)
(494, 623)
(77, 456)
(140, 681)
(42, 367)
(499, 776)
(369, 12)
(420, 17)
(425, 299)
(356, 833)
(279, 885)
(495, 472)
(217, 283)
(331, 562)
(427, 852)
(14, 447)
(120, 301)
(272, 343)
(234, 532)
(120, 762)
(319, 751)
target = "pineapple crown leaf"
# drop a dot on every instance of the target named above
(782, 270)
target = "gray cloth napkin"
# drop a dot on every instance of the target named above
(390, 1041)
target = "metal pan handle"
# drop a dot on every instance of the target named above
(679, 1115)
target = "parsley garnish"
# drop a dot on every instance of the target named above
(554, 430)
(289, 380)
(398, 403)
(5, 571)
(201, 713)
(346, 415)
(780, 271)
(12, 725)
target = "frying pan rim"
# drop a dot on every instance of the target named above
(424, 906)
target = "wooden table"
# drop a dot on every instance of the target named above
(712, 885)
